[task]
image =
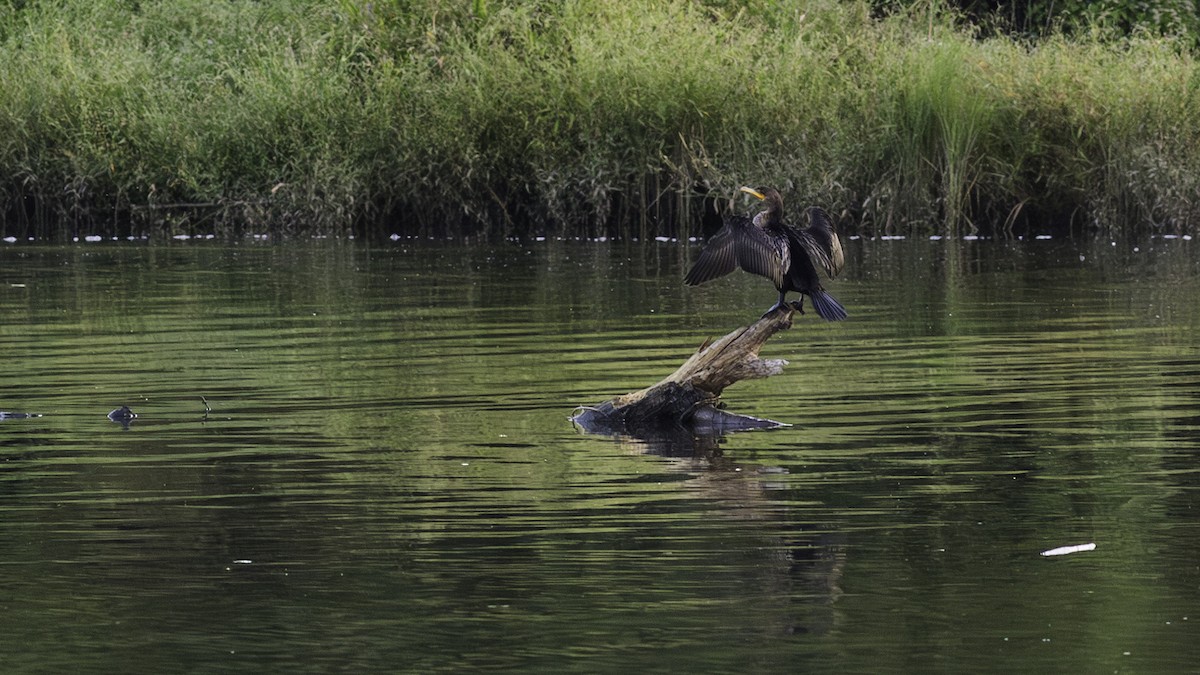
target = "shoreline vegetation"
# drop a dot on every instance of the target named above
(581, 118)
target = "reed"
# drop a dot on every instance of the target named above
(578, 118)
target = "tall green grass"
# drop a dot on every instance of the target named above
(577, 118)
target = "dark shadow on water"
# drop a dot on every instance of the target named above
(805, 560)
(674, 443)
(698, 441)
(699, 437)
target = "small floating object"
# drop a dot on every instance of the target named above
(17, 415)
(122, 414)
(1067, 550)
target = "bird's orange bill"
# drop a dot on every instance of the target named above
(752, 192)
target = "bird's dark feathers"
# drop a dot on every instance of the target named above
(821, 242)
(766, 246)
(740, 243)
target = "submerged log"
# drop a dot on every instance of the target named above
(689, 398)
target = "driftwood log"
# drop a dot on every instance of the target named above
(689, 398)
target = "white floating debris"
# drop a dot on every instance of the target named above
(935, 237)
(1067, 550)
(93, 237)
(182, 237)
(394, 237)
(242, 561)
(971, 237)
(892, 237)
(1187, 237)
(539, 239)
(11, 240)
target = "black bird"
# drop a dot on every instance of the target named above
(122, 414)
(766, 246)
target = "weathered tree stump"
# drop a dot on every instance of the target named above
(689, 398)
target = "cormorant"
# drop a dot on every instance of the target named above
(766, 246)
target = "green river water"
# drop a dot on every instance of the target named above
(386, 479)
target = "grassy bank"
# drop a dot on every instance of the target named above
(577, 118)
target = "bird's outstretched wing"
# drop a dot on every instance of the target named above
(821, 242)
(740, 243)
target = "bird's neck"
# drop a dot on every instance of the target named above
(768, 220)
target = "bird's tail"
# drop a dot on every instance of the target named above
(827, 307)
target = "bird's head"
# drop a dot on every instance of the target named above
(770, 198)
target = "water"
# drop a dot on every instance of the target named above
(386, 480)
